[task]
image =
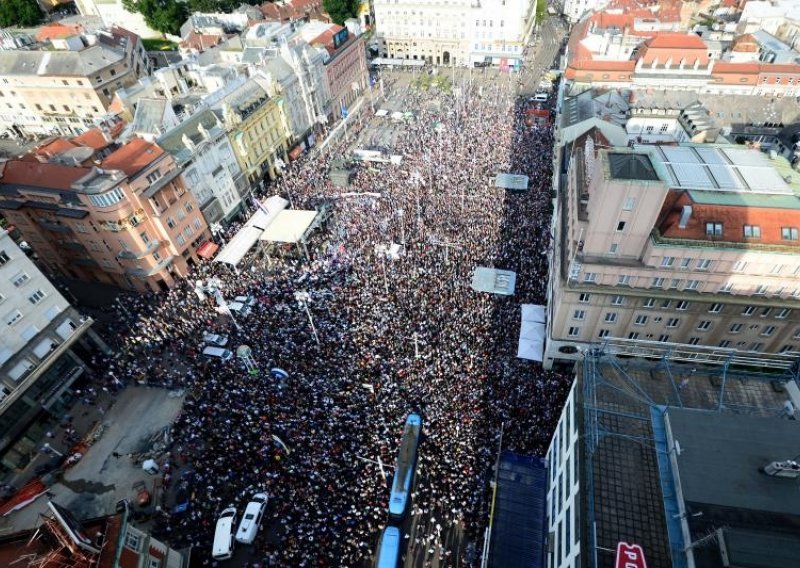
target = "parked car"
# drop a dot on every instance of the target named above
(215, 339)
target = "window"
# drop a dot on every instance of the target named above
(180, 240)
(603, 333)
(788, 348)
(20, 279)
(640, 320)
(739, 266)
(685, 262)
(578, 315)
(776, 269)
(624, 280)
(36, 297)
(630, 203)
(783, 313)
(703, 264)
(673, 322)
(649, 302)
(663, 338)
(657, 282)
(768, 330)
(714, 229)
(726, 288)
(197, 224)
(617, 300)
(789, 233)
(170, 222)
(613, 248)
(154, 563)
(693, 340)
(13, 317)
(761, 289)
(692, 285)
(704, 325)
(666, 304)
(611, 317)
(133, 541)
(736, 328)
(682, 306)
(765, 312)
(590, 277)
(667, 261)
(153, 176)
(621, 226)
(752, 232)
(716, 308)
(574, 331)
(633, 335)
(584, 298)
(108, 198)
(724, 343)
(145, 237)
(4, 258)
(748, 311)
(757, 346)
(675, 283)
(189, 208)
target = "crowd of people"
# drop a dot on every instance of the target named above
(392, 335)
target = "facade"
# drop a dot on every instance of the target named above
(462, 32)
(38, 358)
(346, 74)
(113, 13)
(692, 244)
(255, 126)
(201, 148)
(64, 90)
(128, 220)
(664, 447)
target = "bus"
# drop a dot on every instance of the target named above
(404, 471)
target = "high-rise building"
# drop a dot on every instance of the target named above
(66, 86)
(38, 362)
(673, 455)
(688, 243)
(126, 219)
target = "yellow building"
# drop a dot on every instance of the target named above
(257, 130)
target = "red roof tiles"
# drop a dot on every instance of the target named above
(36, 174)
(133, 157)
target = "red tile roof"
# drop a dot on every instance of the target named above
(58, 30)
(738, 68)
(133, 157)
(677, 40)
(201, 42)
(294, 10)
(36, 174)
(94, 138)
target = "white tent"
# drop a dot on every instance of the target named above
(289, 226)
(532, 333)
(494, 281)
(233, 252)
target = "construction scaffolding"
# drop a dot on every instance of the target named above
(627, 385)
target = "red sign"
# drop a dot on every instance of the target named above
(630, 556)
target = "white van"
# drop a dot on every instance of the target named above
(251, 520)
(223, 535)
(217, 352)
(215, 339)
(540, 97)
(239, 309)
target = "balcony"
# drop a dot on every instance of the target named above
(52, 226)
(152, 246)
(89, 262)
(659, 240)
(145, 272)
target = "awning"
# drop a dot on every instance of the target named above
(247, 236)
(532, 332)
(289, 226)
(207, 249)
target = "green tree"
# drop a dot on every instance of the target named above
(23, 13)
(165, 16)
(340, 10)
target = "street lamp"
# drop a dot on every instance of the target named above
(47, 448)
(303, 298)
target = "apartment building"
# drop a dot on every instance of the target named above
(255, 125)
(694, 244)
(126, 219)
(461, 32)
(65, 86)
(41, 346)
(673, 455)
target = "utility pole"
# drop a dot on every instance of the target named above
(303, 299)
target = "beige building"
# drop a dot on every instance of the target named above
(126, 219)
(694, 244)
(64, 88)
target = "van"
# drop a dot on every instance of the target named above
(240, 309)
(540, 97)
(217, 352)
(223, 535)
(215, 339)
(251, 519)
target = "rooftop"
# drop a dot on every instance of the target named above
(631, 166)
(133, 157)
(81, 63)
(37, 174)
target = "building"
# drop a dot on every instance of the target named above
(202, 149)
(256, 127)
(126, 219)
(688, 243)
(41, 346)
(684, 454)
(113, 13)
(345, 64)
(103, 542)
(66, 88)
(462, 32)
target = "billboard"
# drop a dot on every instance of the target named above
(339, 38)
(630, 556)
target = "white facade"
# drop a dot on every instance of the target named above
(461, 32)
(113, 13)
(564, 487)
(28, 304)
(574, 10)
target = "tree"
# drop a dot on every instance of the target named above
(340, 10)
(165, 16)
(23, 13)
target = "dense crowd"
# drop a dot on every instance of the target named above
(395, 335)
